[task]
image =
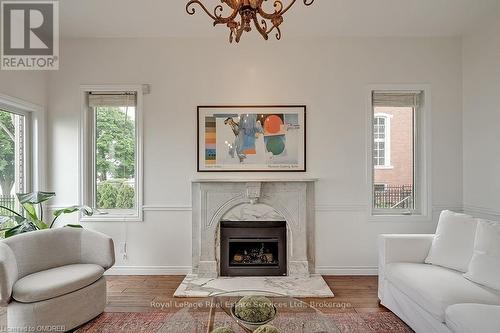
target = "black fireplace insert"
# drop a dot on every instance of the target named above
(253, 248)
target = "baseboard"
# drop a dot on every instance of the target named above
(149, 270)
(347, 270)
(184, 270)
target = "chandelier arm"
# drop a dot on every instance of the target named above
(231, 3)
(278, 9)
(191, 10)
(231, 34)
(261, 29)
(218, 19)
(223, 20)
(306, 2)
(278, 31)
(239, 32)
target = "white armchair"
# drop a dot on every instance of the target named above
(54, 278)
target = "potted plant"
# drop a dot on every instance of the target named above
(31, 217)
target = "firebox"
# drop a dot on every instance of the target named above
(253, 248)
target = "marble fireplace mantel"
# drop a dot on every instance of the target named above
(290, 199)
(259, 180)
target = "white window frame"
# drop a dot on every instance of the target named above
(422, 158)
(387, 140)
(86, 146)
(35, 117)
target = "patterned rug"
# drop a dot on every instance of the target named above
(160, 322)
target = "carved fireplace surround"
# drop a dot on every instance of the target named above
(290, 200)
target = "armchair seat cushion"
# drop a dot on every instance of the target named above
(55, 282)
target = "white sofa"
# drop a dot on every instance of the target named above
(432, 298)
(52, 280)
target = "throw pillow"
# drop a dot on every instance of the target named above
(484, 267)
(453, 244)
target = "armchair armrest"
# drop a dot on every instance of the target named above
(97, 248)
(8, 273)
(404, 248)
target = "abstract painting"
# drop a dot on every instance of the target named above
(251, 138)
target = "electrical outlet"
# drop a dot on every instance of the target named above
(123, 250)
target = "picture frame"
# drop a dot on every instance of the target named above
(251, 138)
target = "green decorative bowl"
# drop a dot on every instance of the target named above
(249, 325)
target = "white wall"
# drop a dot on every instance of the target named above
(30, 86)
(481, 118)
(330, 76)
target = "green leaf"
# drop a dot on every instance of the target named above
(10, 210)
(31, 210)
(40, 224)
(35, 197)
(77, 226)
(7, 222)
(27, 226)
(86, 210)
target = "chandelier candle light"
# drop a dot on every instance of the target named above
(248, 11)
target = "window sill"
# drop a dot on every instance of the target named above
(398, 218)
(384, 167)
(111, 218)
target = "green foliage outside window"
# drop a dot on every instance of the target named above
(115, 194)
(115, 144)
(115, 157)
(7, 152)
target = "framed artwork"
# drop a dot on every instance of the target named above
(252, 138)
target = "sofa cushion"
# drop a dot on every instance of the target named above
(473, 318)
(453, 243)
(55, 282)
(434, 288)
(484, 267)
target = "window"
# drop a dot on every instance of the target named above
(112, 185)
(14, 160)
(381, 140)
(395, 151)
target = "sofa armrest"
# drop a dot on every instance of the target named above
(97, 248)
(404, 248)
(8, 273)
(400, 248)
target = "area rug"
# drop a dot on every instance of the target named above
(160, 322)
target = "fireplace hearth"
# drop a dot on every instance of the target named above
(253, 248)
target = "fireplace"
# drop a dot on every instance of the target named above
(217, 201)
(253, 248)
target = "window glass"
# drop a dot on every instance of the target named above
(393, 158)
(12, 158)
(115, 159)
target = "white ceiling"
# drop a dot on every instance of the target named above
(168, 18)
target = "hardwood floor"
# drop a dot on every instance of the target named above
(137, 293)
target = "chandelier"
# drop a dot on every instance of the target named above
(244, 13)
